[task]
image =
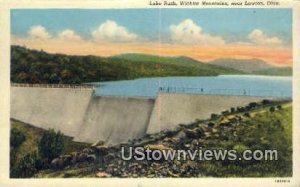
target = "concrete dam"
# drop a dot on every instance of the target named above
(77, 112)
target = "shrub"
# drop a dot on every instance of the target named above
(266, 102)
(27, 166)
(210, 124)
(226, 112)
(51, 144)
(272, 109)
(247, 115)
(241, 109)
(169, 133)
(17, 137)
(253, 105)
(214, 116)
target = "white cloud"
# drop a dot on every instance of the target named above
(112, 32)
(69, 35)
(187, 32)
(38, 32)
(259, 37)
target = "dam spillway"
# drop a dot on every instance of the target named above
(77, 112)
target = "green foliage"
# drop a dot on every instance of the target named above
(214, 116)
(30, 145)
(27, 166)
(32, 66)
(264, 131)
(17, 137)
(51, 144)
(254, 66)
(282, 71)
(272, 109)
(247, 115)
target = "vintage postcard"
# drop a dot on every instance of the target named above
(150, 93)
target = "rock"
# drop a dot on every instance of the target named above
(224, 122)
(100, 169)
(233, 119)
(91, 158)
(111, 156)
(215, 130)
(156, 147)
(211, 124)
(201, 131)
(208, 134)
(170, 140)
(67, 159)
(192, 134)
(124, 175)
(88, 151)
(82, 157)
(151, 175)
(172, 174)
(134, 175)
(75, 157)
(195, 142)
(182, 126)
(102, 174)
(180, 135)
(45, 164)
(57, 163)
(204, 129)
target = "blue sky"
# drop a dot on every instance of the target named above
(203, 34)
(231, 24)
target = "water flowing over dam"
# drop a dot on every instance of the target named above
(77, 112)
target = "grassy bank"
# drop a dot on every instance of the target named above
(32, 136)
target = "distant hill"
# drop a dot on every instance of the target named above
(138, 57)
(245, 65)
(33, 66)
(281, 71)
(181, 61)
(253, 66)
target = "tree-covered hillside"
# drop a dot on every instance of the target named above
(280, 71)
(253, 66)
(33, 66)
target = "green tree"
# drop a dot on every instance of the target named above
(27, 166)
(51, 144)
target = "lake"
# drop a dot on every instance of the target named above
(250, 85)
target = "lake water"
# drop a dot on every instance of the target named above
(220, 85)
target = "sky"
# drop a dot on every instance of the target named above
(203, 34)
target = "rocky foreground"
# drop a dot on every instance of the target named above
(264, 125)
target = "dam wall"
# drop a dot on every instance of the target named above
(77, 112)
(115, 119)
(173, 109)
(58, 108)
